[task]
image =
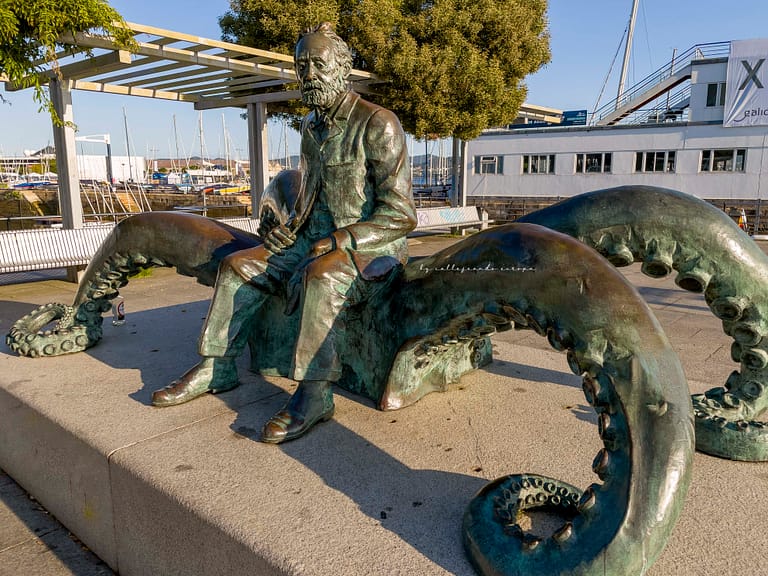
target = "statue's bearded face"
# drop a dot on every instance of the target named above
(321, 78)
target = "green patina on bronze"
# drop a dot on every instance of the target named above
(432, 323)
(670, 231)
(325, 293)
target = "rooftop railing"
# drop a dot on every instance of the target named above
(668, 70)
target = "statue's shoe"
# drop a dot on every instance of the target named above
(311, 403)
(210, 375)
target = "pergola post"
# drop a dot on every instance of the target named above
(66, 158)
(258, 150)
(66, 162)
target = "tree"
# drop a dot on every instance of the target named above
(31, 31)
(452, 67)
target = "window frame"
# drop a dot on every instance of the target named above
(714, 160)
(527, 165)
(582, 160)
(715, 94)
(485, 160)
(668, 160)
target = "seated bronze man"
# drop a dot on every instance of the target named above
(346, 234)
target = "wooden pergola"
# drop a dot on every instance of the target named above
(170, 65)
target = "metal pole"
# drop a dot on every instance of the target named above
(455, 170)
(627, 52)
(110, 176)
(127, 145)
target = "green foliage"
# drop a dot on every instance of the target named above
(453, 67)
(31, 31)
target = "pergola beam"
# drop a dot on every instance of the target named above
(136, 73)
(236, 48)
(227, 89)
(104, 64)
(189, 57)
(130, 91)
(285, 95)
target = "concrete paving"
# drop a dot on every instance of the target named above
(190, 490)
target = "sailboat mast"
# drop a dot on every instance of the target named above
(226, 145)
(202, 161)
(127, 145)
(627, 52)
(176, 142)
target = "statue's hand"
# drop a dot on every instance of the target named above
(279, 238)
(267, 222)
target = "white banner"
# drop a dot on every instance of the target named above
(746, 88)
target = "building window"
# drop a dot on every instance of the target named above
(723, 160)
(538, 164)
(489, 164)
(716, 94)
(661, 161)
(597, 162)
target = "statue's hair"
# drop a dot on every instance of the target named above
(341, 52)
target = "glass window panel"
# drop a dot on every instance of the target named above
(593, 162)
(740, 158)
(722, 160)
(711, 94)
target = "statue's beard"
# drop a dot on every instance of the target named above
(317, 94)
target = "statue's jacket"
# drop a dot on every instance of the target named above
(360, 162)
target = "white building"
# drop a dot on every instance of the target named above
(124, 168)
(681, 128)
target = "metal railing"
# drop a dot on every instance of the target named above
(697, 52)
(662, 109)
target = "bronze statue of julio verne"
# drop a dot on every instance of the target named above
(345, 236)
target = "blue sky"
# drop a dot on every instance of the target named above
(585, 35)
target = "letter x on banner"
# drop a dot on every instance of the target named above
(746, 92)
